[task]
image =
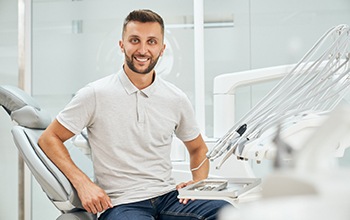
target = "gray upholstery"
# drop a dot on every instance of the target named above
(31, 121)
(53, 182)
(22, 108)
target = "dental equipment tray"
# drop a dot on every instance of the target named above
(219, 187)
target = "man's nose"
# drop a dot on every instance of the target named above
(143, 48)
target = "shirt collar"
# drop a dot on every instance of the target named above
(130, 88)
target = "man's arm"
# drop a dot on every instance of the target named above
(197, 150)
(93, 198)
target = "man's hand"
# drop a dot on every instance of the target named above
(93, 198)
(182, 185)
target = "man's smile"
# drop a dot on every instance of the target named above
(141, 58)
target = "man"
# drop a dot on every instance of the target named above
(131, 118)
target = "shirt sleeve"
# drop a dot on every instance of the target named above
(187, 128)
(79, 113)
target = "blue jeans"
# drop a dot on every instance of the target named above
(165, 207)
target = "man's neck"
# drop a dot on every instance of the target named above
(139, 80)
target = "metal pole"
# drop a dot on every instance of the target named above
(20, 84)
(24, 82)
(199, 63)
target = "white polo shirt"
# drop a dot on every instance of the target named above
(130, 133)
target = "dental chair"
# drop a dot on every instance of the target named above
(31, 121)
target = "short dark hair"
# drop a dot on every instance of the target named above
(144, 15)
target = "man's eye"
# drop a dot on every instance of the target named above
(152, 41)
(134, 40)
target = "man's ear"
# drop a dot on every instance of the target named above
(162, 51)
(121, 45)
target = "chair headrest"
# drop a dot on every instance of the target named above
(22, 108)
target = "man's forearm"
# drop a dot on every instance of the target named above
(199, 166)
(59, 155)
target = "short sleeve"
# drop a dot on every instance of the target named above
(79, 113)
(187, 128)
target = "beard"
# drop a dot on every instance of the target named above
(130, 62)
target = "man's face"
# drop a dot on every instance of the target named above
(142, 45)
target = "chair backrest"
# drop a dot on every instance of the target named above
(31, 121)
(51, 179)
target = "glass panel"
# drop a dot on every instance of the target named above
(75, 43)
(282, 32)
(8, 76)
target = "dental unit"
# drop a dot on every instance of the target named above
(277, 127)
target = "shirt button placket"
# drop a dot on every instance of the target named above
(140, 107)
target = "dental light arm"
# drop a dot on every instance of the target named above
(314, 86)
